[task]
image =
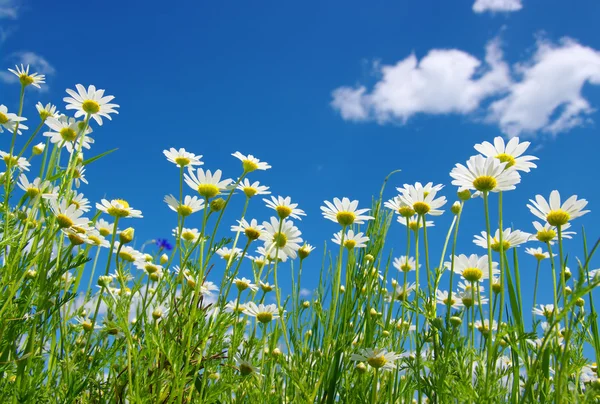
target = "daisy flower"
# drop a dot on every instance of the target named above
(284, 207)
(510, 238)
(270, 255)
(404, 325)
(544, 310)
(252, 230)
(468, 294)
(26, 79)
(405, 264)
(401, 292)
(95, 238)
(344, 212)
(64, 129)
(79, 176)
(38, 149)
(305, 250)
(235, 307)
(351, 240)
(10, 121)
(538, 253)
(414, 221)
(485, 174)
(511, 153)
(260, 261)
(90, 102)
(242, 284)
(377, 358)
(266, 287)
(263, 313)
(191, 204)
(130, 254)
(442, 298)
(80, 202)
(104, 228)
(286, 239)
(251, 189)
(484, 326)
(251, 163)
(246, 368)
(68, 216)
(189, 235)
(21, 163)
(148, 267)
(182, 158)
(399, 206)
(473, 268)
(47, 111)
(226, 253)
(548, 234)
(206, 183)
(555, 213)
(422, 203)
(118, 208)
(32, 189)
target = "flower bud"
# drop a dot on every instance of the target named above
(342, 289)
(38, 149)
(104, 281)
(456, 207)
(164, 259)
(455, 321)
(157, 314)
(126, 236)
(361, 367)
(217, 204)
(369, 258)
(306, 304)
(464, 194)
(580, 302)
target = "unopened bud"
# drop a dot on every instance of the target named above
(126, 236)
(164, 259)
(217, 205)
(306, 304)
(455, 321)
(456, 207)
(369, 258)
(464, 194)
(38, 149)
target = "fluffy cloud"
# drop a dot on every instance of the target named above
(36, 64)
(9, 9)
(481, 6)
(541, 94)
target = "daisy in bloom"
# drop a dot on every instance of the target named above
(414, 223)
(269, 255)
(189, 235)
(90, 102)
(538, 253)
(252, 230)
(32, 189)
(473, 268)
(80, 202)
(118, 208)
(79, 177)
(104, 228)
(206, 183)
(344, 212)
(227, 253)
(484, 326)
(68, 216)
(242, 284)
(95, 238)
(266, 287)
(555, 213)
(251, 189)
(405, 264)
(400, 207)
(261, 260)
(47, 111)
(510, 153)
(470, 294)
(21, 163)
(191, 204)
(282, 235)
(130, 254)
(548, 234)
(423, 204)
(442, 298)
(251, 163)
(38, 149)
(27, 79)
(182, 158)
(377, 358)
(149, 267)
(263, 313)
(305, 250)
(235, 307)
(485, 174)
(351, 240)
(427, 188)
(246, 368)
(404, 325)
(510, 238)
(544, 310)
(593, 273)
(284, 207)
(10, 121)
(402, 292)
(64, 130)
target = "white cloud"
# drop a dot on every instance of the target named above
(10, 9)
(305, 292)
(548, 97)
(481, 6)
(36, 62)
(542, 94)
(444, 81)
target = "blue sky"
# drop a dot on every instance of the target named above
(283, 81)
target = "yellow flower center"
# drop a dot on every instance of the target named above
(124, 255)
(184, 210)
(421, 208)
(3, 119)
(539, 257)
(401, 295)
(546, 235)
(64, 221)
(496, 245)
(245, 369)
(11, 160)
(90, 107)
(264, 317)
(121, 210)
(413, 225)
(26, 79)
(32, 192)
(467, 301)
(406, 211)
(506, 158)
(249, 166)
(182, 161)
(406, 267)
(95, 239)
(350, 244)
(250, 191)
(283, 211)
(105, 231)
(496, 287)
(252, 233)
(77, 204)
(75, 239)
(450, 301)
(472, 274)
(208, 190)
(558, 217)
(188, 235)
(150, 268)
(485, 183)
(280, 240)
(377, 361)
(68, 134)
(345, 218)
